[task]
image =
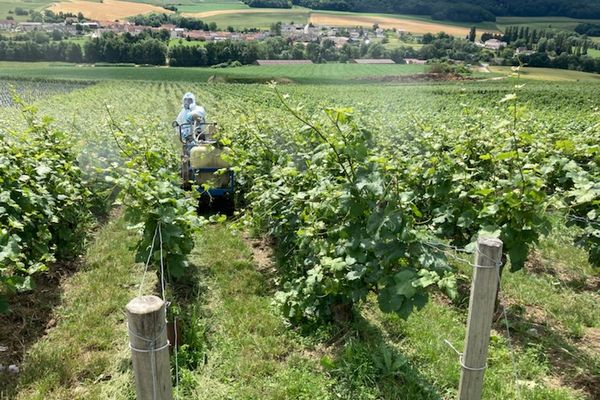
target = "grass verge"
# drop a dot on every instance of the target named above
(85, 356)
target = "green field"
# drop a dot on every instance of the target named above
(8, 5)
(263, 19)
(594, 53)
(320, 73)
(304, 74)
(542, 22)
(549, 74)
(211, 5)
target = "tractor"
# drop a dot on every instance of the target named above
(203, 167)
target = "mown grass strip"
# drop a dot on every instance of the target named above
(249, 352)
(86, 356)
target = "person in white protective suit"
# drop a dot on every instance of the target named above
(191, 113)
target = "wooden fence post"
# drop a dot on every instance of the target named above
(481, 310)
(146, 318)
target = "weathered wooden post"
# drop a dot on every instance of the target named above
(481, 310)
(146, 317)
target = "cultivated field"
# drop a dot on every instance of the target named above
(253, 17)
(35, 90)
(69, 338)
(549, 74)
(317, 73)
(416, 25)
(333, 73)
(209, 5)
(107, 10)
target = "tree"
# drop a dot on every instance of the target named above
(585, 47)
(313, 52)
(376, 50)
(73, 53)
(57, 35)
(486, 36)
(427, 38)
(472, 34)
(276, 28)
(298, 51)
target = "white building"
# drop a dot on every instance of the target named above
(7, 25)
(339, 41)
(494, 44)
(30, 26)
(415, 61)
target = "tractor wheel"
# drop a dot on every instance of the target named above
(228, 205)
(204, 204)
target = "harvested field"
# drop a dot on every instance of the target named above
(408, 25)
(109, 10)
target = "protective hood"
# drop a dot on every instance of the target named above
(188, 101)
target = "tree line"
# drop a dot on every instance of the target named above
(11, 50)
(47, 16)
(548, 41)
(156, 20)
(269, 3)
(150, 47)
(588, 29)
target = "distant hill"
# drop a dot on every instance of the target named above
(462, 10)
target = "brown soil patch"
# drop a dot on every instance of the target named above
(530, 324)
(108, 10)
(247, 80)
(536, 264)
(408, 25)
(591, 341)
(262, 252)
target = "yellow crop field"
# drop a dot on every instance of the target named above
(408, 25)
(108, 10)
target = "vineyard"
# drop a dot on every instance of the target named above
(31, 91)
(348, 263)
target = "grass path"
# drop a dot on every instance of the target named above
(85, 356)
